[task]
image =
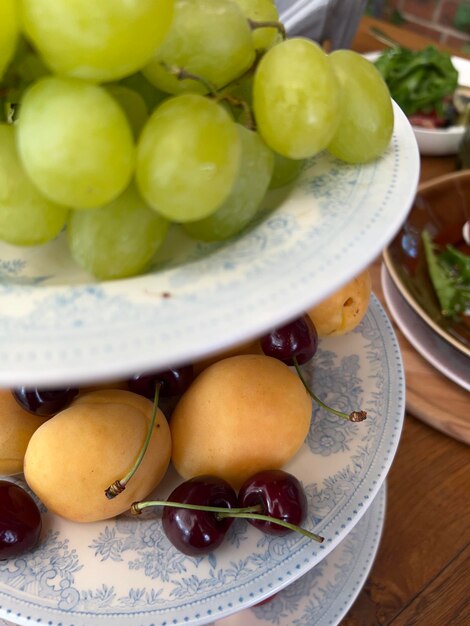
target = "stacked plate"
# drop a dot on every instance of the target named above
(442, 208)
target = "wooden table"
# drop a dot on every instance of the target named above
(421, 575)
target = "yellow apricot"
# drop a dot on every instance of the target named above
(248, 347)
(73, 457)
(241, 415)
(343, 310)
(16, 429)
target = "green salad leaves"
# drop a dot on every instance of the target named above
(449, 270)
(418, 81)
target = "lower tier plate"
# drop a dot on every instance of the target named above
(124, 571)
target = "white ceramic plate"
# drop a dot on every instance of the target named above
(57, 326)
(125, 570)
(438, 352)
(440, 141)
(324, 595)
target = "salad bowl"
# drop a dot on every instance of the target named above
(441, 208)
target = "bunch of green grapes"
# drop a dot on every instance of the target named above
(122, 118)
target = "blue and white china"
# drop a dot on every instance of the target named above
(126, 572)
(59, 326)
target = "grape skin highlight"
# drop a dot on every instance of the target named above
(296, 98)
(99, 40)
(26, 217)
(187, 157)
(75, 142)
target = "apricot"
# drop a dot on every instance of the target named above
(341, 312)
(73, 457)
(241, 415)
(16, 428)
(248, 347)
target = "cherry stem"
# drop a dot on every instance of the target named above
(354, 416)
(279, 26)
(273, 520)
(248, 512)
(119, 485)
(138, 507)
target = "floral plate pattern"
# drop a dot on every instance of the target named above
(126, 570)
(322, 596)
(58, 326)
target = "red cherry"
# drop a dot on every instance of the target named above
(198, 532)
(20, 520)
(44, 402)
(279, 494)
(296, 340)
(173, 382)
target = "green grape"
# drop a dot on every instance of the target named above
(148, 92)
(75, 142)
(26, 217)
(187, 157)
(132, 104)
(296, 98)
(116, 240)
(8, 32)
(244, 200)
(99, 41)
(366, 125)
(285, 171)
(208, 38)
(262, 11)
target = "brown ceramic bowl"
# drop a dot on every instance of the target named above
(442, 207)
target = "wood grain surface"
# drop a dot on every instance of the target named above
(421, 575)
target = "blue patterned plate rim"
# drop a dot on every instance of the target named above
(57, 327)
(324, 595)
(126, 571)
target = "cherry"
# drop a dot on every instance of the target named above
(196, 532)
(200, 510)
(296, 341)
(279, 494)
(173, 382)
(294, 344)
(44, 402)
(20, 520)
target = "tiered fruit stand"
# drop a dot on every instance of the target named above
(57, 326)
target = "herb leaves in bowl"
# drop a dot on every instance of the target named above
(421, 82)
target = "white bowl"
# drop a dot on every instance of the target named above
(440, 141)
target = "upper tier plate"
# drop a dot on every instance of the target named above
(58, 326)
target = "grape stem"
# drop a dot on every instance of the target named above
(354, 416)
(249, 512)
(119, 486)
(242, 104)
(279, 26)
(181, 74)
